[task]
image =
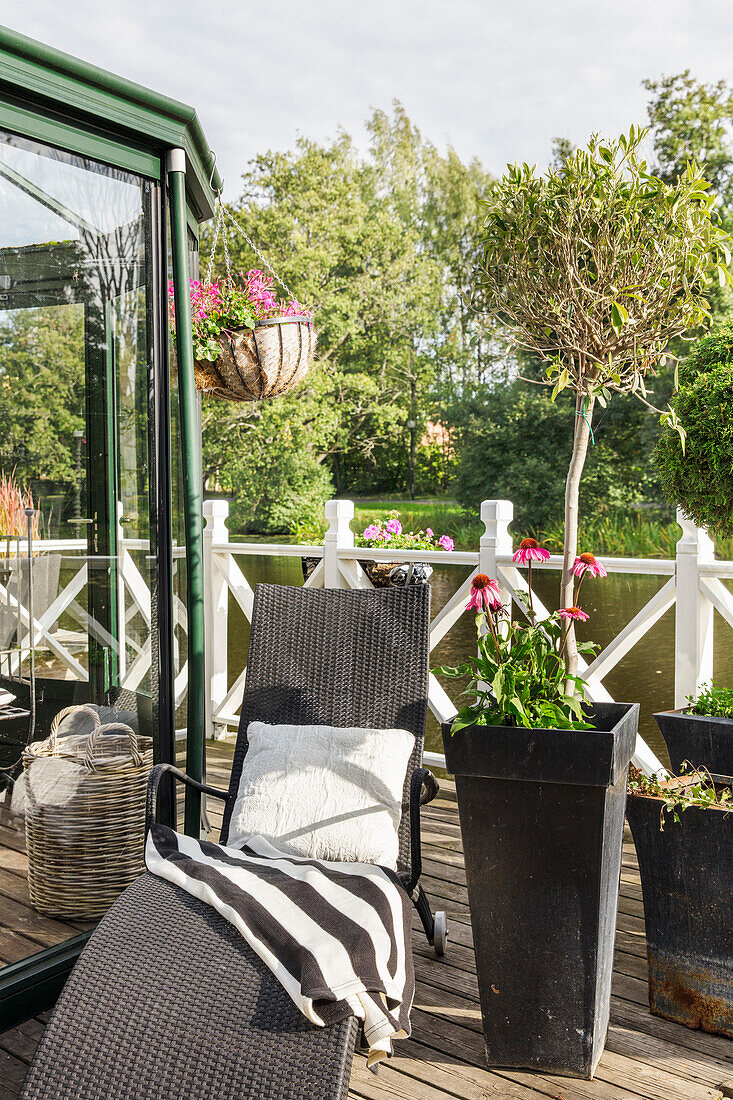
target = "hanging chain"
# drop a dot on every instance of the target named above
(217, 227)
(257, 252)
(221, 215)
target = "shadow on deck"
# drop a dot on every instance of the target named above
(645, 1057)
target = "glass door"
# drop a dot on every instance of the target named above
(78, 576)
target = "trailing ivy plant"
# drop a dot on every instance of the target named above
(595, 267)
(699, 790)
(699, 476)
(712, 702)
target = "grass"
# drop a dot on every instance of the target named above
(630, 536)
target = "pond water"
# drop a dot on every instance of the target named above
(646, 674)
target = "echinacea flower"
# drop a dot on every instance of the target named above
(588, 563)
(447, 543)
(485, 594)
(529, 551)
(576, 614)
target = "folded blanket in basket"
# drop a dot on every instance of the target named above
(335, 935)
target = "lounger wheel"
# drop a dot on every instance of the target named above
(440, 933)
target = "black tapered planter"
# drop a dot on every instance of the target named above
(542, 820)
(687, 885)
(705, 742)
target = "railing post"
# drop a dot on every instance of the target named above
(339, 535)
(496, 515)
(694, 614)
(216, 607)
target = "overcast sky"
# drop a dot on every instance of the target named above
(497, 79)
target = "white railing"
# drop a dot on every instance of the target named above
(132, 648)
(693, 585)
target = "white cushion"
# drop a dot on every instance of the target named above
(324, 792)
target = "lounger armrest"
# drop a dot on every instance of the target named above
(423, 789)
(151, 806)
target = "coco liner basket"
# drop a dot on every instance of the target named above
(85, 816)
(264, 362)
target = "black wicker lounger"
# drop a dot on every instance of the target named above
(167, 1000)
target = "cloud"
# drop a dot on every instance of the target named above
(495, 79)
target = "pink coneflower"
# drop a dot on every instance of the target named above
(485, 594)
(529, 551)
(576, 614)
(588, 563)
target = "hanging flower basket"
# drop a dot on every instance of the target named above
(262, 362)
(247, 343)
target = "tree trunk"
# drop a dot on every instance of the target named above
(572, 494)
(336, 467)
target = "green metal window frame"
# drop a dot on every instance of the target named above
(58, 100)
(51, 130)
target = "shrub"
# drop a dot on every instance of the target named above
(699, 478)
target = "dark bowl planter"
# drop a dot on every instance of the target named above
(705, 742)
(542, 819)
(687, 885)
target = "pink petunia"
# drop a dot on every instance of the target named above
(588, 563)
(529, 551)
(371, 532)
(429, 533)
(446, 542)
(574, 613)
(485, 594)
(393, 526)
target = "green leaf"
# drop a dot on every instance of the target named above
(619, 317)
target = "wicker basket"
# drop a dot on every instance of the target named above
(265, 362)
(85, 816)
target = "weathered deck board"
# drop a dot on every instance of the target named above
(646, 1058)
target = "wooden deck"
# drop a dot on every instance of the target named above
(645, 1057)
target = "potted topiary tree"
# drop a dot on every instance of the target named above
(594, 267)
(698, 477)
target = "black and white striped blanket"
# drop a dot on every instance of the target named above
(335, 935)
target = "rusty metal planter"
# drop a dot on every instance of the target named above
(705, 742)
(687, 884)
(542, 819)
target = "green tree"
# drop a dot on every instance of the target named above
(692, 121)
(269, 455)
(513, 442)
(381, 247)
(595, 268)
(41, 391)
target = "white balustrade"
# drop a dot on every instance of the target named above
(693, 582)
